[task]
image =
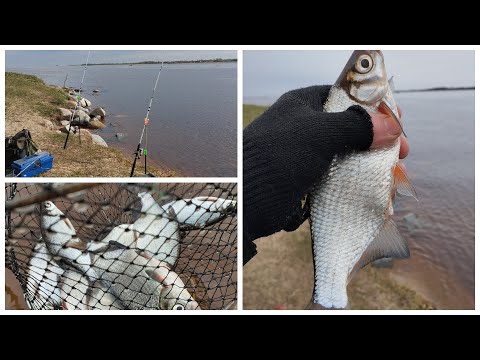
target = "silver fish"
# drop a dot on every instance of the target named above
(157, 229)
(200, 211)
(173, 294)
(351, 207)
(77, 294)
(62, 241)
(43, 274)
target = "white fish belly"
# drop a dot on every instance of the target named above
(347, 212)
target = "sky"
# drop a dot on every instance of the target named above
(47, 58)
(271, 73)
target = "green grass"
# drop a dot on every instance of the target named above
(33, 92)
(251, 112)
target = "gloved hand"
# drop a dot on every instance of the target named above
(288, 148)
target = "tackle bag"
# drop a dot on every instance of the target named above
(19, 146)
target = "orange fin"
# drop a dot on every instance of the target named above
(76, 243)
(402, 183)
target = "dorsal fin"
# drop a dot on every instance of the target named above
(403, 183)
(391, 84)
(388, 244)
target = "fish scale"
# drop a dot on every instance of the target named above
(347, 210)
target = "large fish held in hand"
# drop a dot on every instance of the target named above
(351, 206)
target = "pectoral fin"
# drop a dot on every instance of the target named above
(76, 243)
(403, 183)
(388, 244)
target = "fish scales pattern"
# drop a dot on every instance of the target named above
(347, 211)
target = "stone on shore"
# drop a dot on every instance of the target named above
(85, 103)
(98, 111)
(65, 113)
(64, 122)
(95, 123)
(83, 109)
(63, 129)
(120, 136)
(97, 139)
(81, 118)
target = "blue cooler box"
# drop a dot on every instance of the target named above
(33, 165)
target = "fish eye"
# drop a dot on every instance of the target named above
(178, 307)
(364, 64)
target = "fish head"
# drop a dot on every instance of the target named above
(49, 208)
(364, 79)
(174, 295)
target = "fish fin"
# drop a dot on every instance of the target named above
(388, 244)
(385, 108)
(391, 83)
(69, 223)
(117, 244)
(171, 214)
(402, 183)
(155, 275)
(76, 243)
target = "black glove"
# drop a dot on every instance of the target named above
(285, 151)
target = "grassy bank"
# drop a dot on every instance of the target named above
(32, 105)
(281, 275)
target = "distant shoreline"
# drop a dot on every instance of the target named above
(201, 61)
(440, 88)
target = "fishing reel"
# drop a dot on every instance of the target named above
(140, 151)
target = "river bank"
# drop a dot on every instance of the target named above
(33, 105)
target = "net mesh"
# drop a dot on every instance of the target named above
(122, 246)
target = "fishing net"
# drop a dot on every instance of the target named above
(125, 251)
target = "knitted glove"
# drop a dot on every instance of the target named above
(286, 150)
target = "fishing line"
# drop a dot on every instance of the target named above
(78, 97)
(139, 151)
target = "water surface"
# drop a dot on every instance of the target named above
(193, 118)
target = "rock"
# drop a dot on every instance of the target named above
(64, 129)
(98, 111)
(97, 139)
(64, 122)
(95, 123)
(58, 132)
(83, 109)
(85, 103)
(96, 91)
(120, 136)
(81, 118)
(71, 103)
(86, 135)
(65, 113)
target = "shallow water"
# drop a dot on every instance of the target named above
(441, 133)
(440, 227)
(193, 118)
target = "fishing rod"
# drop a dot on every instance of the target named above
(139, 151)
(78, 97)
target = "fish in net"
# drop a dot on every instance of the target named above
(121, 246)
